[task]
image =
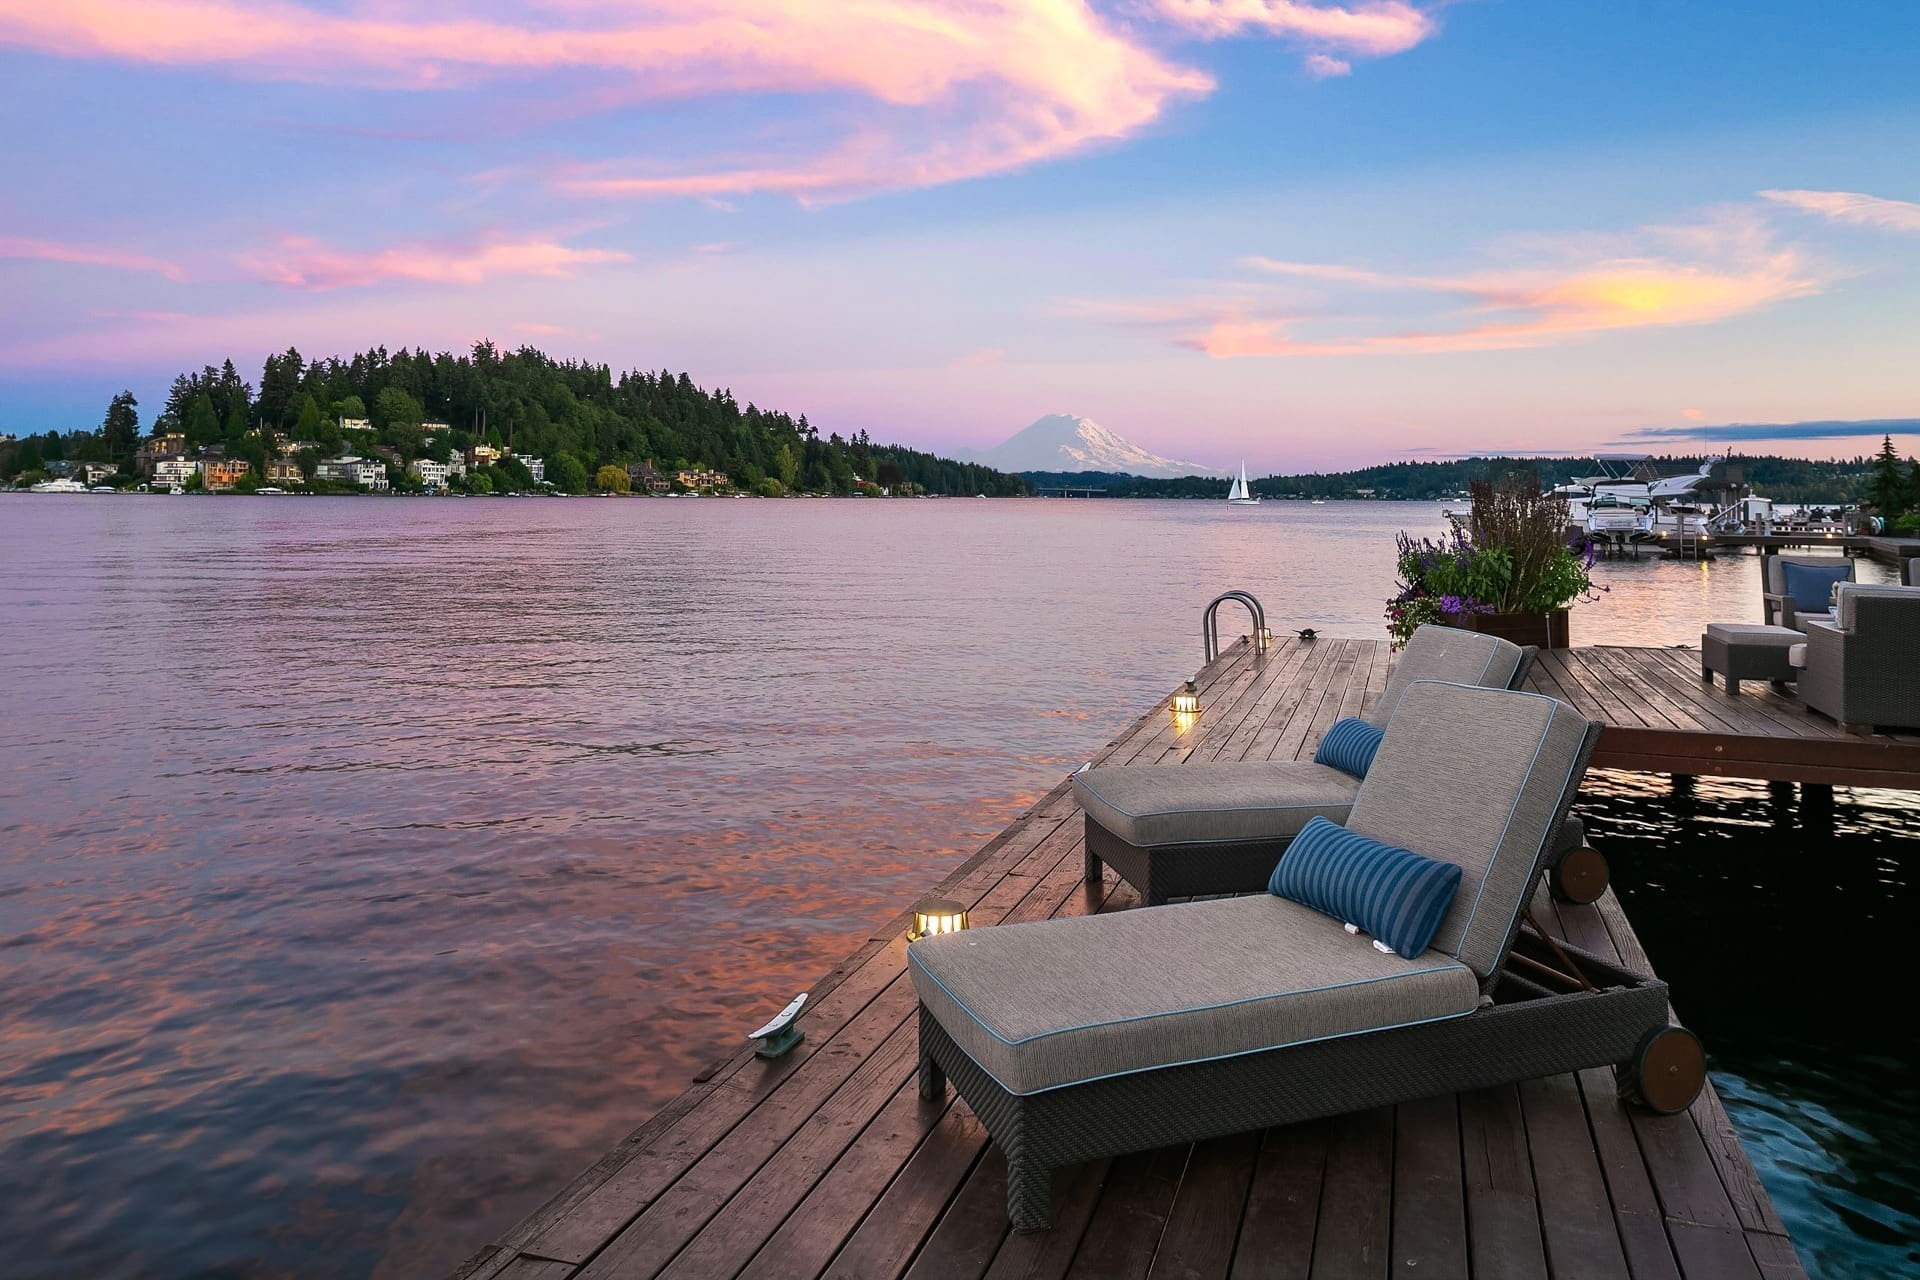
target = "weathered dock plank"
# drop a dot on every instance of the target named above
(827, 1163)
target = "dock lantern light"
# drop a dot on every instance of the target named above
(1186, 700)
(936, 915)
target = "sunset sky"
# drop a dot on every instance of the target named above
(1307, 234)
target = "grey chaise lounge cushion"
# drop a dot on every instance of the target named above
(1213, 802)
(1450, 654)
(1475, 777)
(1058, 1002)
(1242, 800)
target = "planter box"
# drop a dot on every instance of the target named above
(1548, 630)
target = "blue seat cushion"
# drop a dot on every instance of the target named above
(1349, 746)
(1811, 585)
(1394, 894)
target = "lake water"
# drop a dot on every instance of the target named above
(369, 867)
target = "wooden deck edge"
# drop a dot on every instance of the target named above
(1860, 762)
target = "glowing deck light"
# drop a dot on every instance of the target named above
(936, 915)
(1186, 700)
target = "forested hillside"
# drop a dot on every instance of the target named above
(577, 416)
(1783, 479)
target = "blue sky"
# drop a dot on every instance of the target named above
(1303, 233)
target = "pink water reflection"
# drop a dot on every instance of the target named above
(371, 866)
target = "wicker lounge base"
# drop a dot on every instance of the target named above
(1741, 651)
(1164, 872)
(1183, 871)
(1526, 1033)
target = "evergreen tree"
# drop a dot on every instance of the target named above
(1888, 488)
(307, 419)
(279, 386)
(121, 427)
(26, 456)
(200, 423)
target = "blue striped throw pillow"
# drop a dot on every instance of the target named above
(1349, 746)
(1392, 893)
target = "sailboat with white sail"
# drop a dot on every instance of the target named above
(1240, 495)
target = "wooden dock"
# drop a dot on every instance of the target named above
(828, 1164)
(1663, 718)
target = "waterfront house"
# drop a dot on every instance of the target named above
(284, 471)
(482, 455)
(645, 479)
(536, 467)
(700, 481)
(217, 474)
(365, 472)
(151, 450)
(456, 465)
(168, 472)
(92, 473)
(432, 474)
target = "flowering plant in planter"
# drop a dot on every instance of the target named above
(1515, 556)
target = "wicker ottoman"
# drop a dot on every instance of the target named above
(1747, 651)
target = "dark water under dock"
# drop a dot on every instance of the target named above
(1786, 932)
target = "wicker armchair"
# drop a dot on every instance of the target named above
(1860, 668)
(1779, 608)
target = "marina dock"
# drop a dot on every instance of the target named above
(827, 1163)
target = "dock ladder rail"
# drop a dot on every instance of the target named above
(1210, 623)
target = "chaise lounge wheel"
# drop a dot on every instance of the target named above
(1667, 1072)
(1581, 876)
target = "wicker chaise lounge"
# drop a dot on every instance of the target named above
(1079, 1039)
(1174, 831)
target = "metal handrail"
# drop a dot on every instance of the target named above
(1210, 622)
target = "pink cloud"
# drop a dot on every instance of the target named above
(1853, 207)
(303, 263)
(981, 358)
(954, 88)
(1694, 415)
(1688, 275)
(1333, 33)
(87, 255)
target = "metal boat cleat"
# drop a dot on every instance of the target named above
(781, 1033)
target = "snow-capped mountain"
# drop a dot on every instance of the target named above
(1063, 442)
